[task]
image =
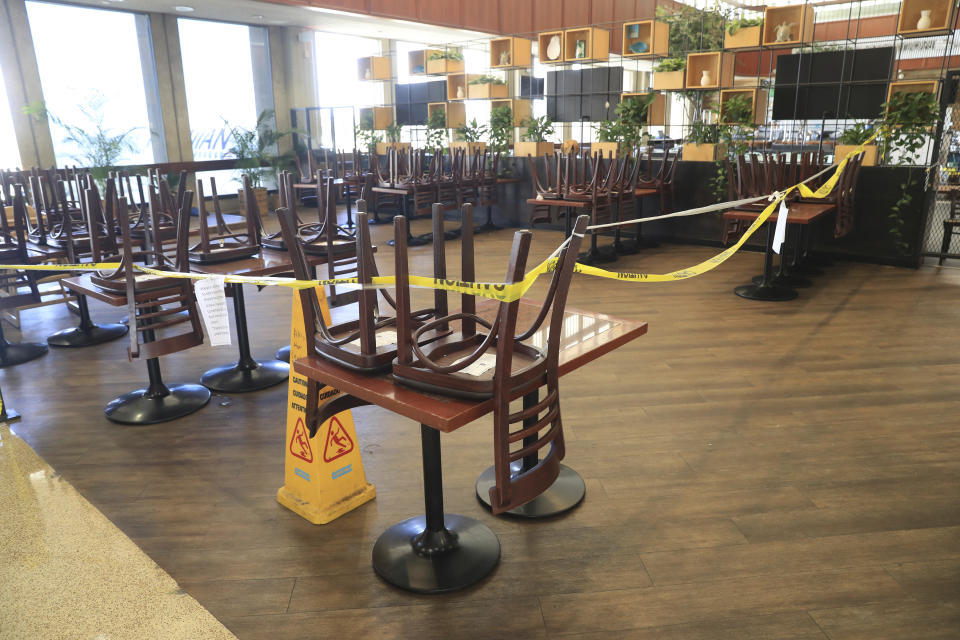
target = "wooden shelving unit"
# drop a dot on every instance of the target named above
(800, 17)
(656, 112)
(374, 68)
(941, 17)
(457, 81)
(543, 42)
(382, 116)
(596, 44)
(719, 64)
(758, 101)
(443, 66)
(520, 109)
(518, 52)
(655, 34)
(454, 112)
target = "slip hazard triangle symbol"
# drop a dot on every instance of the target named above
(300, 442)
(338, 442)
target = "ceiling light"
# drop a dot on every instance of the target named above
(336, 12)
(183, 8)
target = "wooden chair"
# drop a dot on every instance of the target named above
(950, 225)
(519, 368)
(224, 244)
(367, 343)
(21, 285)
(155, 304)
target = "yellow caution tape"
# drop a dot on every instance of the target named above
(504, 292)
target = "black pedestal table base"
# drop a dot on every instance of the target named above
(17, 353)
(149, 406)
(247, 374)
(283, 354)
(768, 292)
(435, 553)
(87, 334)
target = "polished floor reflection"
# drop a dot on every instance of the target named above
(68, 572)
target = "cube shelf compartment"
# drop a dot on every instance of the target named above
(596, 44)
(744, 38)
(655, 34)
(758, 102)
(543, 41)
(443, 66)
(518, 52)
(656, 112)
(520, 109)
(669, 80)
(486, 90)
(457, 81)
(799, 16)
(912, 86)
(382, 116)
(941, 17)
(719, 65)
(417, 62)
(454, 112)
(373, 68)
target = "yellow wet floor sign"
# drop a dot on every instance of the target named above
(323, 475)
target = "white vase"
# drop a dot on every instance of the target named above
(367, 75)
(460, 92)
(924, 21)
(706, 80)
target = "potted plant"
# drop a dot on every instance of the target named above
(669, 74)
(98, 149)
(393, 140)
(703, 144)
(256, 158)
(468, 137)
(909, 119)
(485, 87)
(441, 62)
(633, 114)
(743, 33)
(534, 138)
(366, 137)
(609, 138)
(853, 137)
(437, 129)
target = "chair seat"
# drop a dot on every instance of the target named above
(472, 382)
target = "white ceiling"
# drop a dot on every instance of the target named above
(268, 14)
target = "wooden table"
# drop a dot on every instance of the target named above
(402, 192)
(157, 402)
(248, 374)
(460, 550)
(780, 287)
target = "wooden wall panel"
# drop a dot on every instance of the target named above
(602, 13)
(576, 13)
(624, 10)
(516, 16)
(481, 15)
(547, 15)
(405, 9)
(357, 6)
(442, 12)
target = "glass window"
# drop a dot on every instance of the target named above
(339, 85)
(9, 153)
(90, 70)
(218, 76)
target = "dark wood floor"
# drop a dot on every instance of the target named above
(754, 470)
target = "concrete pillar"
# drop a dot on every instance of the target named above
(21, 76)
(171, 90)
(294, 76)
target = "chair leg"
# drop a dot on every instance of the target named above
(945, 247)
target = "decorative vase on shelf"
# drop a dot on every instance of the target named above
(460, 93)
(706, 78)
(784, 30)
(924, 21)
(367, 75)
(504, 58)
(553, 48)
